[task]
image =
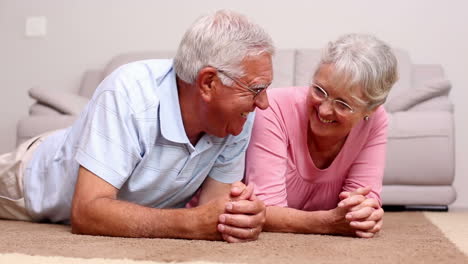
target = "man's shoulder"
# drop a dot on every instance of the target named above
(287, 102)
(139, 82)
(156, 68)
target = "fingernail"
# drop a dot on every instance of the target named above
(221, 227)
(349, 215)
(222, 218)
(341, 204)
(235, 189)
(353, 223)
(229, 206)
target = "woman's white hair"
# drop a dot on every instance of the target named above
(361, 60)
(221, 40)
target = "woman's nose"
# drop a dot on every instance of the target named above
(326, 108)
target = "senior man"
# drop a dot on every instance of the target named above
(154, 133)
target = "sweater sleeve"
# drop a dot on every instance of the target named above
(368, 168)
(266, 160)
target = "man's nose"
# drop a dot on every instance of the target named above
(261, 100)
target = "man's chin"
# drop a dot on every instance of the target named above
(236, 133)
(228, 131)
(239, 129)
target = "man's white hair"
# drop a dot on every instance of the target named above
(221, 40)
(364, 61)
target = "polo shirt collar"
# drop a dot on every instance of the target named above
(170, 116)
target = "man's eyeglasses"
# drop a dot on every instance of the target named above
(340, 106)
(255, 89)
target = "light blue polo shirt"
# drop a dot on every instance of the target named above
(132, 136)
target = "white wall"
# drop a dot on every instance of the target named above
(86, 33)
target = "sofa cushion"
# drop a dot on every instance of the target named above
(306, 62)
(31, 126)
(405, 80)
(283, 68)
(125, 58)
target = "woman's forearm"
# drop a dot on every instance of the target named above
(281, 219)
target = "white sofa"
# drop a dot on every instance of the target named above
(420, 158)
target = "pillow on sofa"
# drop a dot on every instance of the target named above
(64, 102)
(430, 89)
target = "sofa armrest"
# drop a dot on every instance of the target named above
(420, 149)
(417, 95)
(31, 126)
(90, 81)
(439, 103)
(63, 102)
(423, 72)
(41, 109)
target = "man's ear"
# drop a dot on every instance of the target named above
(206, 82)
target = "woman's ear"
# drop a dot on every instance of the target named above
(369, 112)
(206, 80)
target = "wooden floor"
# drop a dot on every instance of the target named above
(454, 225)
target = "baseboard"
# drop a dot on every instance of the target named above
(399, 208)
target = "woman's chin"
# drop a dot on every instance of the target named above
(322, 129)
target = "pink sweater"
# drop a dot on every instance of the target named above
(279, 163)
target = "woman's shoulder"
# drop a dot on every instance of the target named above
(287, 106)
(287, 91)
(380, 117)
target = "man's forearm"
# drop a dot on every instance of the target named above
(105, 216)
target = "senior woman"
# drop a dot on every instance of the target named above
(316, 156)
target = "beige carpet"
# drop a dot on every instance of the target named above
(408, 237)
